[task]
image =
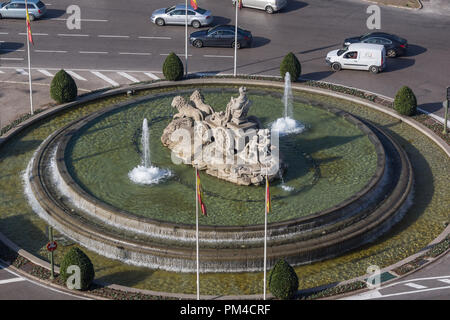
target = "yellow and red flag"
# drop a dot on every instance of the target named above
(30, 35)
(268, 202)
(240, 4)
(200, 196)
(194, 4)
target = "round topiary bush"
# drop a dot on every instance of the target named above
(173, 67)
(405, 101)
(291, 64)
(76, 257)
(283, 281)
(63, 88)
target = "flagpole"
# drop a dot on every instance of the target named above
(29, 62)
(196, 232)
(186, 42)
(265, 243)
(235, 37)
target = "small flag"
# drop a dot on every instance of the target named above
(240, 4)
(194, 4)
(200, 195)
(30, 35)
(268, 202)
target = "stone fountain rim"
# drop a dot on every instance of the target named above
(78, 124)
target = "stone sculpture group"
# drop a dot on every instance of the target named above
(228, 144)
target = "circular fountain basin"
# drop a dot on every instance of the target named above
(79, 182)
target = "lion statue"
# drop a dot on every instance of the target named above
(185, 110)
(199, 101)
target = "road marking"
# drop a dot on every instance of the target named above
(364, 296)
(413, 292)
(102, 76)
(72, 35)
(11, 280)
(445, 281)
(50, 51)
(87, 20)
(1, 71)
(415, 286)
(136, 53)
(12, 59)
(45, 72)
(111, 36)
(159, 38)
(34, 34)
(4, 32)
(129, 77)
(34, 83)
(178, 54)
(22, 72)
(151, 75)
(76, 75)
(12, 50)
(93, 52)
(215, 56)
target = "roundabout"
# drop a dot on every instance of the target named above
(356, 218)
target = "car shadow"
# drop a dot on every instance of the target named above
(414, 50)
(219, 21)
(398, 64)
(259, 42)
(293, 5)
(317, 76)
(318, 49)
(53, 13)
(7, 47)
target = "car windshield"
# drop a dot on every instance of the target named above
(4, 4)
(340, 52)
(169, 9)
(40, 4)
(200, 10)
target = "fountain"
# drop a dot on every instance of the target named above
(146, 173)
(287, 124)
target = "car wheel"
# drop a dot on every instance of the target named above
(336, 66)
(269, 9)
(32, 17)
(198, 43)
(391, 53)
(196, 24)
(160, 22)
(374, 69)
(238, 45)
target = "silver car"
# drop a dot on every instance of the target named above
(16, 9)
(270, 6)
(177, 15)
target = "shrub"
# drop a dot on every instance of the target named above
(63, 88)
(405, 101)
(291, 64)
(78, 258)
(283, 281)
(173, 67)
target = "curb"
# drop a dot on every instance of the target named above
(205, 81)
(399, 7)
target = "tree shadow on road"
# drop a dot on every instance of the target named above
(432, 106)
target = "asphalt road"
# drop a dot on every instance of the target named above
(117, 35)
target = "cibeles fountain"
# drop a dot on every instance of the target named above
(228, 144)
(108, 183)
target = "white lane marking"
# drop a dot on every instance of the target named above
(4, 32)
(216, 56)
(415, 286)
(159, 38)
(151, 75)
(51, 51)
(76, 75)
(12, 59)
(105, 78)
(414, 280)
(111, 36)
(45, 73)
(178, 54)
(364, 296)
(1, 71)
(27, 83)
(12, 50)
(87, 20)
(72, 35)
(22, 72)
(94, 52)
(11, 280)
(136, 53)
(414, 292)
(444, 280)
(34, 34)
(129, 77)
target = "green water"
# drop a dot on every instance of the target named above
(331, 157)
(422, 223)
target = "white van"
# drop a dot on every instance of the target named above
(358, 56)
(270, 6)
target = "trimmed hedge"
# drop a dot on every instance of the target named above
(291, 64)
(78, 258)
(283, 281)
(173, 69)
(405, 102)
(63, 88)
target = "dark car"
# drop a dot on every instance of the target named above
(394, 45)
(221, 36)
